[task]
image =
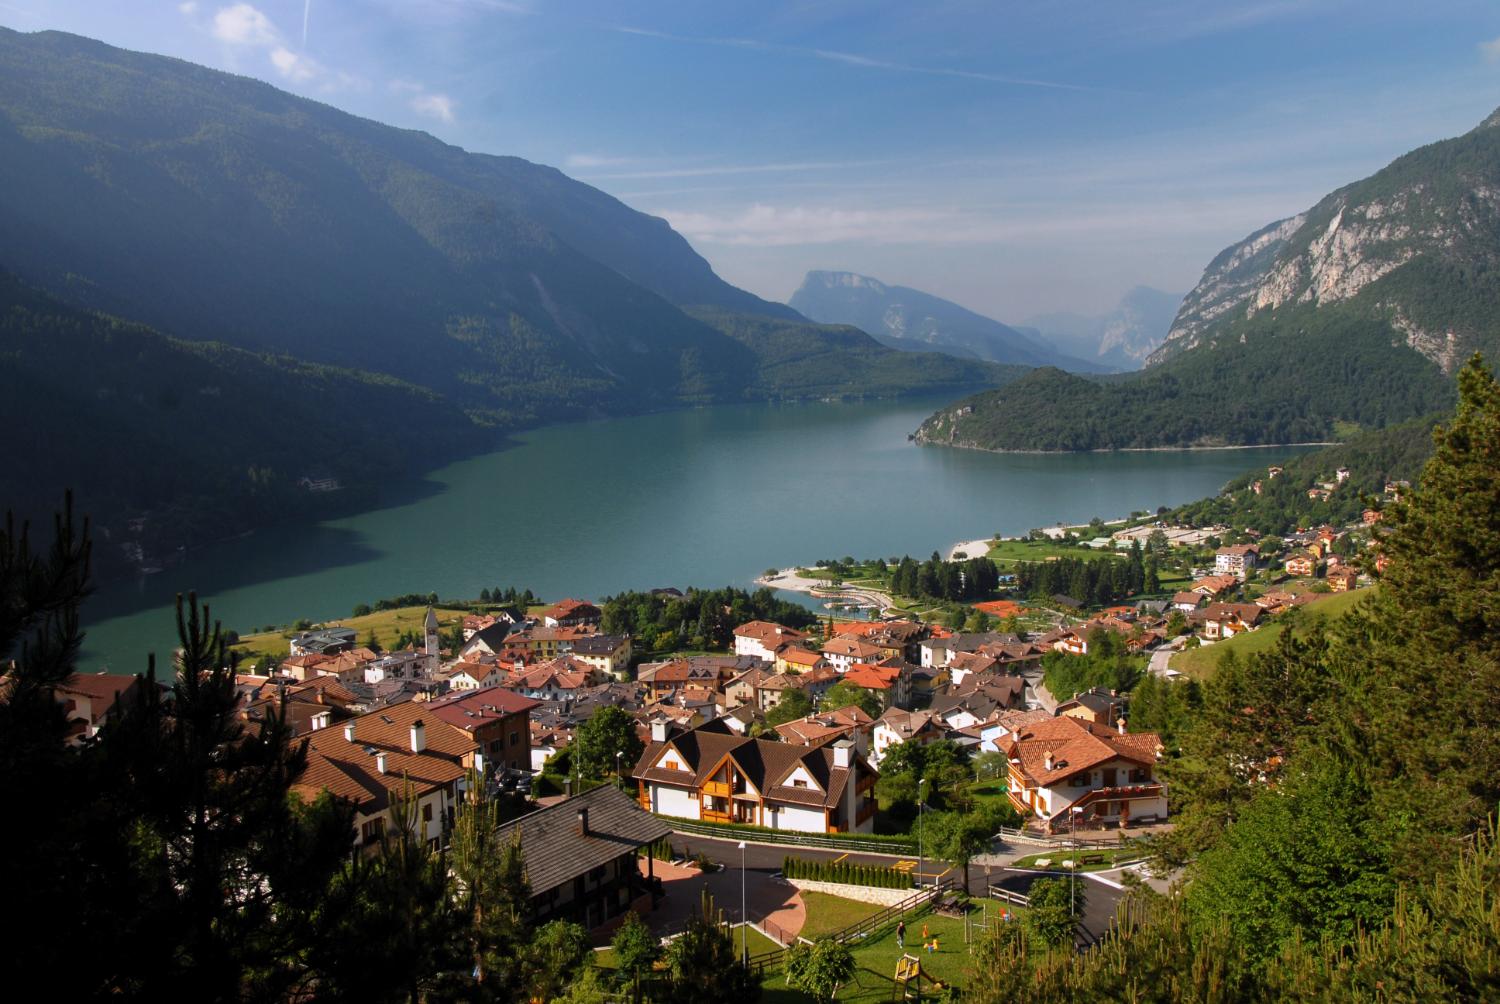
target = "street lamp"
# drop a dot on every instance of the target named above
(921, 804)
(1073, 871)
(618, 779)
(744, 916)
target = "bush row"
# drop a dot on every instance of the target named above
(845, 872)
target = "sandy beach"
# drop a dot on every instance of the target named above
(787, 578)
(970, 549)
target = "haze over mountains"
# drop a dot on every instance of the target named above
(212, 207)
(1353, 313)
(1122, 339)
(914, 321)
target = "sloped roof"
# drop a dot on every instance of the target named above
(1075, 745)
(556, 852)
(765, 764)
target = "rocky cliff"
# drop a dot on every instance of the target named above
(1415, 246)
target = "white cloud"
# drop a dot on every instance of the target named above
(762, 225)
(188, 7)
(1490, 50)
(242, 24)
(293, 65)
(587, 160)
(438, 106)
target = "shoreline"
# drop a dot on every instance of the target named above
(920, 441)
(866, 598)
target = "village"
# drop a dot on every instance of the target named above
(824, 753)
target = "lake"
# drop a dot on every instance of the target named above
(706, 497)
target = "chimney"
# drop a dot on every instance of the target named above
(349, 733)
(1015, 734)
(841, 753)
(659, 731)
(1048, 762)
(380, 762)
(583, 821)
(1122, 725)
(418, 736)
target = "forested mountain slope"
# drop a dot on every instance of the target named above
(214, 207)
(214, 439)
(1353, 313)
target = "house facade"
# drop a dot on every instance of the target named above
(1074, 774)
(763, 639)
(715, 775)
(1238, 560)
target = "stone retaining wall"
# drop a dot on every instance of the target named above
(863, 893)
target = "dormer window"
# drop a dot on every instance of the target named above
(799, 783)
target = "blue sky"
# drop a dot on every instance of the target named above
(1016, 157)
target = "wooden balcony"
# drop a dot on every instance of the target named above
(719, 789)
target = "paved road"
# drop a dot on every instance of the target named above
(1159, 659)
(1100, 900)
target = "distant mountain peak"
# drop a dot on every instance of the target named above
(912, 320)
(848, 280)
(1120, 339)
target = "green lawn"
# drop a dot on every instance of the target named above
(1200, 662)
(388, 625)
(875, 961)
(1008, 552)
(990, 791)
(1111, 857)
(827, 913)
(605, 957)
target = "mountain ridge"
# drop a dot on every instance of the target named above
(1353, 313)
(912, 320)
(1432, 215)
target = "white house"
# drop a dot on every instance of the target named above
(762, 639)
(713, 774)
(1072, 773)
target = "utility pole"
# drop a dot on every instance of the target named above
(744, 916)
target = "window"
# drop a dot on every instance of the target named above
(1139, 775)
(372, 831)
(1080, 780)
(515, 738)
(799, 783)
(427, 812)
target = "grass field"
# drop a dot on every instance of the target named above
(827, 913)
(1200, 662)
(1110, 857)
(758, 943)
(388, 625)
(1008, 552)
(875, 961)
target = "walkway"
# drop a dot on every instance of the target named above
(774, 904)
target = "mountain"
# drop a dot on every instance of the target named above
(1354, 313)
(214, 207)
(914, 321)
(1119, 340)
(1415, 247)
(169, 442)
(239, 288)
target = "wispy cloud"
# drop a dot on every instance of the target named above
(712, 170)
(851, 59)
(591, 160)
(243, 24)
(1490, 50)
(438, 106)
(295, 65)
